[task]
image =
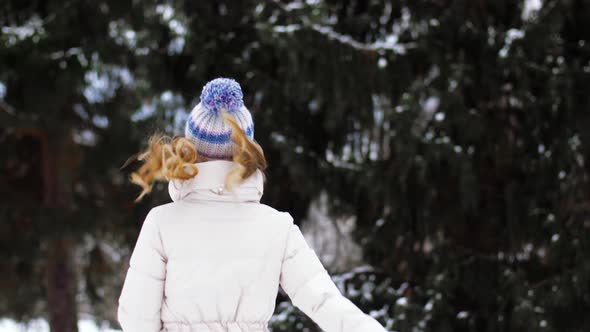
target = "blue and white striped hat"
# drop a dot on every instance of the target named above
(206, 127)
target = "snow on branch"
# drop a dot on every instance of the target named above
(389, 43)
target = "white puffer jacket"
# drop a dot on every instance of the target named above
(213, 261)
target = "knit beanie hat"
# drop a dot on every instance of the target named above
(205, 126)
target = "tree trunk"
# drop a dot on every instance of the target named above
(60, 283)
(60, 276)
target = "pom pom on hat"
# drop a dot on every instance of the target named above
(222, 94)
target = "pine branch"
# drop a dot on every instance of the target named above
(344, 39)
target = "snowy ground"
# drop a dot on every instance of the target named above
(40, 325)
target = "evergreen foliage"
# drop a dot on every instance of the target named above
(454, 131)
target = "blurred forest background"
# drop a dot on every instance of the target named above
(451, 136)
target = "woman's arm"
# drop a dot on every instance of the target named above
(141, 297)
(310, 288)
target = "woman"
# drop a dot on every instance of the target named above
(213, 259)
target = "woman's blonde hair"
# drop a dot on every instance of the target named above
(169, 158)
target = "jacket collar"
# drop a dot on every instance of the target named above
(209, 184)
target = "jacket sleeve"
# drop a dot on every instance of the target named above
(142, 293)
(310, 288)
